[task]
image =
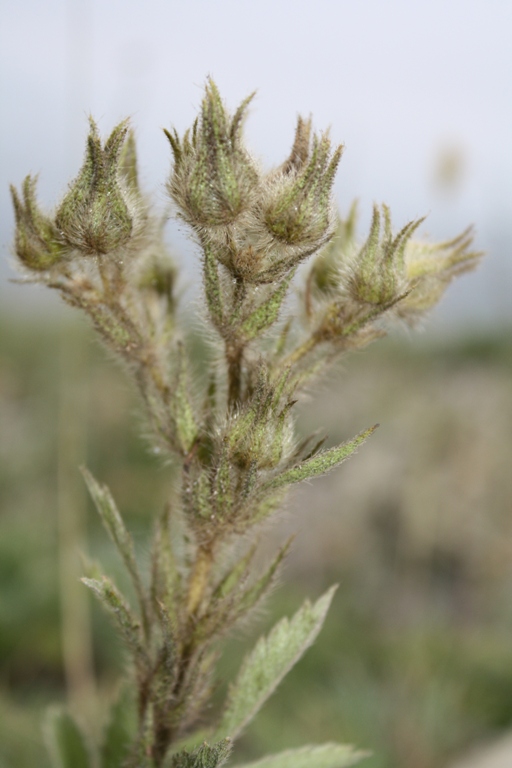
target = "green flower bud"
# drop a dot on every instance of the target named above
(300, 210)
(261, 433)
(95, 216)
(213, 178)
(431, 267)
(37, 243)
(378, 274)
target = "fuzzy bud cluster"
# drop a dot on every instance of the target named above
(259, 226)
(101, 212)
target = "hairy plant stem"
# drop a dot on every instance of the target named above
(234, 359)
(199, 578)
(300, 352)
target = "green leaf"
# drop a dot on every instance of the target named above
(320, 463)
(203, 757)
(256, 591)
(118, 733)
(65, 741)
(165, 575)
(324, 756)
(235, 574)
(270, 660)
(128, 624)
(116, 529)
(267, 313)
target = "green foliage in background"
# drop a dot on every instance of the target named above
(230, 438)
(414, 662)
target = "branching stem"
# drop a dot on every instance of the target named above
(234, 358)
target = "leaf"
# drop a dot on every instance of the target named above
(118, 733)
(324, 756)
(320, 463)
(270, 660)
(232, 599)
(116, 529)
(203, 757)
(257, 590)
(235, 574)
(128, 624)
(65, 741)
(267, 313)
(165, 576)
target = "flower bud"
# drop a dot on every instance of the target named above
(213, 178)
(300, 209)
(431, 267)
(37, 244)
(378, 274)
(260, 433)
(95, 216)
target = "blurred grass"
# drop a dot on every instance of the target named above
(415, 661)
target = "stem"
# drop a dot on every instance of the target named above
(299, 352)
(71, 509)
(164, 731)
(234, 357)
(235, 346)
(199, 579)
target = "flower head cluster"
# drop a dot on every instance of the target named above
(259, 226)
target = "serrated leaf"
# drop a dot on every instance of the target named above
(116, 529)
(323, 756)
(126, 621)
(205, 756)
(320, 463)
(118, 733)
(269, 661)
(267, 313)
(65, 741)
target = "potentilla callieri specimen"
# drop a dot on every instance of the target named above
(231, 439)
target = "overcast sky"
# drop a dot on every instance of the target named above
(410, 88)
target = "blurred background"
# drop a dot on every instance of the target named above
(415, 661)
